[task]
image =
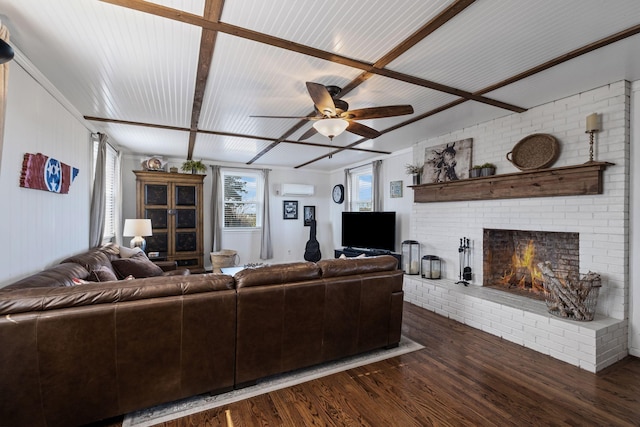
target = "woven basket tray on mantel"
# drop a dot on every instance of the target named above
(536, 151)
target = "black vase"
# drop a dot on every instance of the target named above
(416, 179)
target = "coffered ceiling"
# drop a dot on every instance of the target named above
(183, 78)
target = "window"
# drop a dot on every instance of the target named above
(110, 190)
(362, 190)
(242, 199)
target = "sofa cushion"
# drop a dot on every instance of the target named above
(137, 267)
(102, 274)
(277, 274)
(59, 275)
(91, 259)
(129, 252)
(345, 267)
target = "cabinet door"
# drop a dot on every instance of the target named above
(156, 208)
(186, 224)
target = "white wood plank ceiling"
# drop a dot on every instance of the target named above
(131, 67)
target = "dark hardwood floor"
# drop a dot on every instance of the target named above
(463, 377)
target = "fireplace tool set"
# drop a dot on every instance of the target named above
(464, 253)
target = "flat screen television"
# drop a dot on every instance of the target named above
(369, 230)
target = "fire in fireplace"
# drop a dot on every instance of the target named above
(510, 258)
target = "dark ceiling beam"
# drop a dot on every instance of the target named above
(128, 122)
(369, 69)
(286, 141)
(348, 147)
(219, 133)
(438, 21)
(632, 31)
(233, 30)
(282, 138)
(212, 12)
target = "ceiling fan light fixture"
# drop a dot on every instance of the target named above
(331, 127)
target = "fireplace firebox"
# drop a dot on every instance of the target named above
(511, 257)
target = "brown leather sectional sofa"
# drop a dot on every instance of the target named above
(71, 355)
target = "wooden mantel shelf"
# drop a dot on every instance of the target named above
(574, 180)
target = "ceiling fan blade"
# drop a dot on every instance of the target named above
(362, 130)
(322, 99)
(288, 117)
(378, 112)
(308, 134)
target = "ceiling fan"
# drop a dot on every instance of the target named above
(334, 117)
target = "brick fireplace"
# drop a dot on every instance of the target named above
(510, 258)
(599, 223)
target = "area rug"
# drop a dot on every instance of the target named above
(181, 408)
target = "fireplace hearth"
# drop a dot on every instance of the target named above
(511, 258)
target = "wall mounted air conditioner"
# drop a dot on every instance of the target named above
(295, 190)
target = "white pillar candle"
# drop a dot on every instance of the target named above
(592, 122)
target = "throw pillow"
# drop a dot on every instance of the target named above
(137, 267)
(102, 274)
(129, 252)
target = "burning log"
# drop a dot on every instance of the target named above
(572, 298)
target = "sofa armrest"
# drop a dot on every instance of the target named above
(179, 272)
(166, 265)
(170, 268)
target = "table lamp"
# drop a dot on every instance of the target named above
(137, 228)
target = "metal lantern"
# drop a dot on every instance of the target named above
(431, 267)
(411, 257)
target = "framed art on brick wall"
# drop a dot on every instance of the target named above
(447, 162)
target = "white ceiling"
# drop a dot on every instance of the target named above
(122, 62)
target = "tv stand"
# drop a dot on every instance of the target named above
(352, 253)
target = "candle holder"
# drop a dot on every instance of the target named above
(592, 127)
(411, 257)
(591, 132)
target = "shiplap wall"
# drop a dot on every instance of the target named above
(40, 228)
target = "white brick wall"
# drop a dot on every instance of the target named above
(602, 221)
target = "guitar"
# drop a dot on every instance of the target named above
(312, 249)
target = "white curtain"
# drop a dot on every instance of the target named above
(266, 249)
(376, 189)
(4, 82)
(347, 190)
(216, 208)
(117, 220)
(98, 195)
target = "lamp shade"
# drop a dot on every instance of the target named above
(331, 127)
(137, 227)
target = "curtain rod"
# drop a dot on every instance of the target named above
(241, 167)
(356, 167)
